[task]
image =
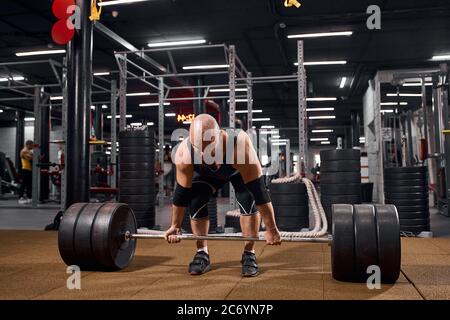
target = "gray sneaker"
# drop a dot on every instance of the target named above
(200, 264)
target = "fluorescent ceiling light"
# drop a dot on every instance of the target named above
(268, 127)
(323, 131)
(170, 114)
(187, 122)
(150, 124)
(325, 142)
(393, 103)
(41, 52)
(260, 119)
(343, 82)
(175, 43)
(104, 106)
(101, 74)
(441, 58)
(153, 104)
(246, 111)
(321, 117)
(279, 140)
(318, 139)
(138, 94)
(279, 144)
(207, 66)
(92, 107)
(319, 109)
(114, 2)
(1, 110)
(322, 63)
(387, 111)
(118, 117)
(14, 78)
(277, 136)
(29, 119)
(136, 124)
(320, 99)
(404, 95)
(320, 35)
(228, 90)
(416, 84)
(54, 98)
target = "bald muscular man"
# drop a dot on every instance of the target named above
(205, 162)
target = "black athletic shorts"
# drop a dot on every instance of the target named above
(204, 188)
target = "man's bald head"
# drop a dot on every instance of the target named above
(203, 124)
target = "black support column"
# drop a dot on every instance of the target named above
(355, 129)
(44, 147)
(98, 125)
(79, 81)
(20, 136)
(199, 105)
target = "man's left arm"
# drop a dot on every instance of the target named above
(251, 173)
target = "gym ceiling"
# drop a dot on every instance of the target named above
(412, 32)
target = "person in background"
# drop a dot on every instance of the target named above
(26, 157)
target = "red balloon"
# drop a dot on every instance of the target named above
(61, 34)
(59, 8)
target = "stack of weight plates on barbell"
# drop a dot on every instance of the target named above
(407, 189)
(340, 179)
(137, 174)
(212, 214)
(291, 207)
(233, 220)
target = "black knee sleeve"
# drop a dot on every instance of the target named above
(259, 191)
(246, 203)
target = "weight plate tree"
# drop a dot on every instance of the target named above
(407, 189)
(137, 174)
(103, 237)
(340, 179)
(290, 204)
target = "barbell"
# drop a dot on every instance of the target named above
(96, 236)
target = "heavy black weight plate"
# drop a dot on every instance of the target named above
(409, 202)
(415, 229)
(340, 166)
(389, 243)
(366, 243)
(413, 215)
(110, 248)
(137, 175)
(137, 150)
(131, 142)
(342, 247)
(291, 211)
(289, 200)
(66, 233)
(82, 236)
(136, 199)
(125, 183)
(420, 208)
(142, 190)
(422, 170)
(139, 166)
(287, 188)
(406, 196)
(137, 134)
(340, 178)
(343, 154)
(292, 224)
(330, 200)
(408, 189)
(405, 183)
(340, 189)
(133, 158)
(415, 222)
(404, 176)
